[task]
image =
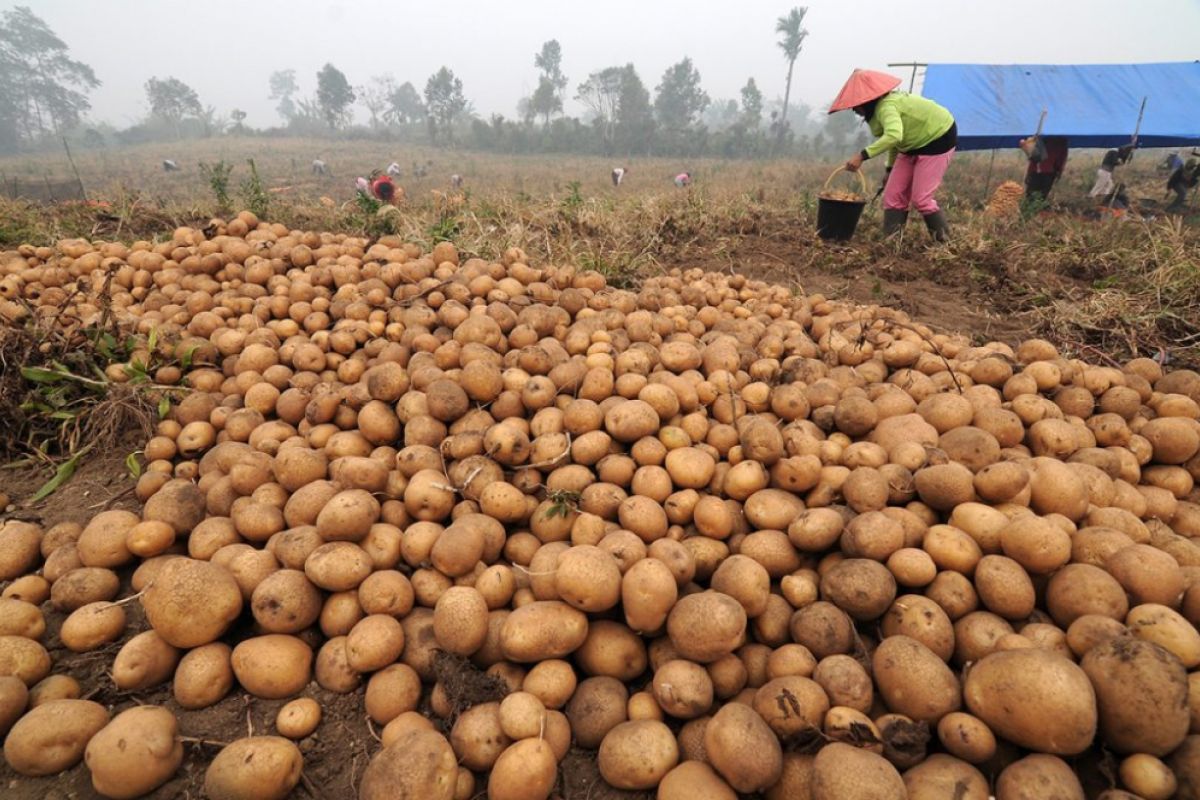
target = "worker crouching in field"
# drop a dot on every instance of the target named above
(918, 136)
(1104, 185)
(1183, 179)
(1047, 159)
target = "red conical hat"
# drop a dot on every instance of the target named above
(864, 85)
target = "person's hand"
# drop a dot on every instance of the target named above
(854, 162)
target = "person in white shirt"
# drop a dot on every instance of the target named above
(618, 175)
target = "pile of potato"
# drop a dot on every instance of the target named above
(738, 541)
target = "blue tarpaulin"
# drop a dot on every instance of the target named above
(1095, 105)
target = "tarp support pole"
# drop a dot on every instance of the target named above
(987, 184)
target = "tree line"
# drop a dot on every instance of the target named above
(44, 95)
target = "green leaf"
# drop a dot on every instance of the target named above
(185, 362)
(133, 465)
(152, 339)
(164, 407)
(40, 375)
(61, 476)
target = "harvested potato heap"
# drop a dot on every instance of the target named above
(736, 540)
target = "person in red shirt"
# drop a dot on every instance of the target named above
(1047, 160)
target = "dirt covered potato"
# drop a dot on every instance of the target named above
(1035, 699)
(259, 767)
(52, 737)
(420, 763)
(191, 602)
(135, 753)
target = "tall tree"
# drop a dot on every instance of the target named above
(445, 103)
(545, 100)
(283, 86)
(404, 105)
(635, 115)
(334, 95)
(601, 93)
(171, 100)
(549, 62)
(374, 97)
(239, 118)
(679, 100)
(790, 28)
(42, 89)
(752, 105)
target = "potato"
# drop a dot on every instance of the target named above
(1033, 698)
(144, 661)
(391, 692)
(1077, 590)
(1035, 543)
(333, 671)
(588, 578)
(179, 503)
(258, 767)
(19, 618)
(1148, 777)
(796, 780)
(823, 628)
(706, 626)
(526, 770)
(85, 585)
(52, 737)
(611, 649)
(1038, 777)
(1004, 587)
(298, 718)
(14, 698)
(791, 705)
(1149, 575)
(1141, 692)
(20, 548)
(191, 602)
(598, 705)
(33, 589)
(636, 755)
(273, 666)
(695, 779)
(648, 593)
(54, 687)
(204, 676)
(842, 772)
(23, 658)
(478, 738)
(922, 619)
(845, 681)
(135, 753)
(374, 642)
(861, 587)
(285, 601)
(743, 749)
(1167, 629)
(683, 689)
(967, 737)
(92, 626)
(543, 629)
(914, 681)
(102, 542)
(941, 776)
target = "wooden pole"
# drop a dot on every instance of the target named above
(75, 169)
(987, 184)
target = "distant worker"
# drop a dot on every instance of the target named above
(683, 180)
(919, 137)
(1047, 159)
(618, 175)
(1182, 180)
(1104, 173)
(456, 181)
(382, 187)
(170, 166)
(394, 170)
(319, 167)
(1172, 162)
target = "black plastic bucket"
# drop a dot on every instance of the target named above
(837, 219)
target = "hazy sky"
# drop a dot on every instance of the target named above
(225, 50)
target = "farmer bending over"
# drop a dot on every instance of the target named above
(1104, 174)
(618, 175)
(919, 137)
(1047, 159)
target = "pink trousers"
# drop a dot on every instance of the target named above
(914, 180)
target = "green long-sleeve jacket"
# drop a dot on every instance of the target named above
(904, 122)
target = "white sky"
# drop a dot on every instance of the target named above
(226, 50)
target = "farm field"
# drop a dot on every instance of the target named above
(546, 484)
